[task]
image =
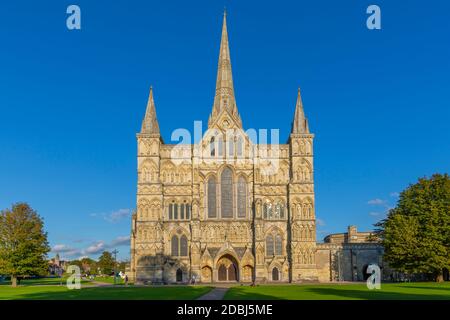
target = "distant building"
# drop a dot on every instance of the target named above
(57, 266)
(346, 256)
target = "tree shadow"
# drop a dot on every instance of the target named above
(374, 294)
(113, 293)
(331, 293)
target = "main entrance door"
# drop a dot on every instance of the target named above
(227, 269)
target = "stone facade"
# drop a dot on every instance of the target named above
(226, 209)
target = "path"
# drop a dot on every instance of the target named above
(215, 294)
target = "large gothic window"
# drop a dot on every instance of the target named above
(226, 189)
(212, 198)
(242, 197)
(174, 243)
(183, 246)
(278, 245)
(269, 245)
(274, 245)
(179, 246)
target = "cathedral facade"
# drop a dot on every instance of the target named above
(225, 209)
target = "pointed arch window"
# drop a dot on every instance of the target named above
(274, 245)
(179, 246)
(242, 197)
(212, 198)
(183, 246)
(278, 245)
(174, 244)
(269, 245)
(226, 189)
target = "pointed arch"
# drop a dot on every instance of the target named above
(226, 191)
(183, 246)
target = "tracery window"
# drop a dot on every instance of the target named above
(179, 245)
(226, 189)
(274, 245)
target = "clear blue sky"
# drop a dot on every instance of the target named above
(71, 102)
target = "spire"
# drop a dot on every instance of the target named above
(150, 123)
(300, 124)
(224, 96)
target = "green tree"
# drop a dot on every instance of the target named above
(89, 265)
(106, 263)
(23, 243)
(416, 233)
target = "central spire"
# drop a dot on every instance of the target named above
(224, 96)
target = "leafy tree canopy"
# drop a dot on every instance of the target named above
(416, 233)
(23, 242)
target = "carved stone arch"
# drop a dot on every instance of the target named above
(275, 271)
(179, 230)
(275, 230)
(226, 251)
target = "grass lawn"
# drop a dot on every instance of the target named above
(388, 291)
(110, 280)
(41, 282)
(52, 292)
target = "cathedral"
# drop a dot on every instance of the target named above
(227, 209)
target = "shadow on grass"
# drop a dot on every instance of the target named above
(106, 293)
(341, 293)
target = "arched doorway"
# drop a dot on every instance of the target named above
(227, 269)
(275, 274)
(179, 275)
(206, 274)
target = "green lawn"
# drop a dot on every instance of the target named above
(389, 291)
(52, 292)
(109, 280)
(41, 282)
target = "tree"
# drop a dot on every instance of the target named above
(23, 243)
(89, 265)
(416, 233)
(106, 262)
